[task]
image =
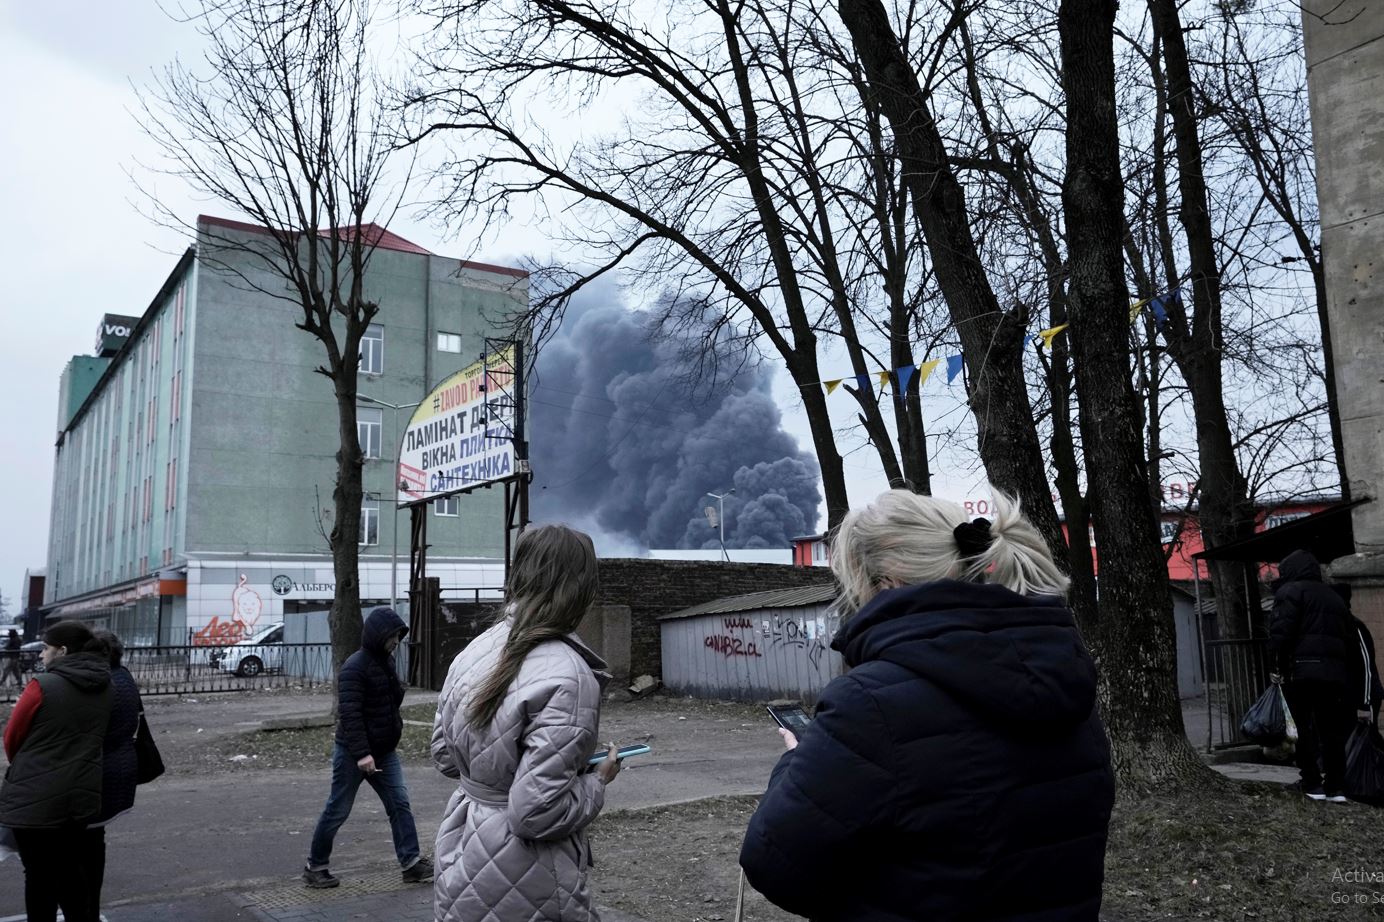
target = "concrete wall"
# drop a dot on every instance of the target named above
(623, 627)
(1345, 72)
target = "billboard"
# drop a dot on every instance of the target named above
(462, 435)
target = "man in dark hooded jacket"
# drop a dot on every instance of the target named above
(368, 728)
(1316, 650)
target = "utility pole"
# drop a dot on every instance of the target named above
(721, 518)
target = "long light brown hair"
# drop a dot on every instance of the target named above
(552, 583)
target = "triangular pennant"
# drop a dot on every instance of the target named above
(954, 365)
(862, 381)
(905, 374)
(1160, 310)
(925, 371)
(883, 378)
(1047, 335)
(832, 385)
(1136, 307)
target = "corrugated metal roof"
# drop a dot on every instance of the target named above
(774, 598)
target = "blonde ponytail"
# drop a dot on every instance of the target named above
(904, 538)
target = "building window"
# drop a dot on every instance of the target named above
(448, 342)
(369, 522)
(1283, 518)
(369, 430)
(450, 505)
(372, 350)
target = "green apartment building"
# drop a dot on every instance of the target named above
(195, 457)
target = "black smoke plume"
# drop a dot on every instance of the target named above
(624, 445)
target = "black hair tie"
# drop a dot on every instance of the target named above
(973, 538)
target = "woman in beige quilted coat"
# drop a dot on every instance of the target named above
(516, 727)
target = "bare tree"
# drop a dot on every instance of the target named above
(1136, 637)
(284, 128)
(751, 190)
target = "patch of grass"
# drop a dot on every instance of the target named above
(1252, 852)
(312, 747)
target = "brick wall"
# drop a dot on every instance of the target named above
(649, 588)
(658, 587)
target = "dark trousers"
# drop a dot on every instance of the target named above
(63, 869)
(388, 783)
(1324, 717)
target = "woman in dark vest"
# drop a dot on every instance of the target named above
(959, 770)
(52, 788)
(119, 764)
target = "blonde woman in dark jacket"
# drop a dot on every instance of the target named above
(959, 770)
(516, 727)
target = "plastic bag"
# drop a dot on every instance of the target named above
(1365, 765)
(1269, 722)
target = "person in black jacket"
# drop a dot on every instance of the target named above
(52, 788)
(119, 764)
(1371, 690)
(1316, 651)
(959, 770)
(368, 728)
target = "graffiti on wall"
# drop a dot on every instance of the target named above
(727, 644)
(805, 636)
(246, 608)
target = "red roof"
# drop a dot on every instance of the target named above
(377, 236)
(380, 237)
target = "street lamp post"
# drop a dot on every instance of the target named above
(721, 518)
(394, 491)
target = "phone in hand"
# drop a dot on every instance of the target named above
(624, 752)
(791, 718)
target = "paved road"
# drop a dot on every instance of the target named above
(229, 845)
(194, 843)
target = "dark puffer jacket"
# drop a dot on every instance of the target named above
(55, 778)
(1312, 634)
(368, 691)
(119, 764)
(958, 771)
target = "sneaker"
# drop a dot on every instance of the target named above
(1336, 797)
(418, 872)
(320, 879)
(1316, 794)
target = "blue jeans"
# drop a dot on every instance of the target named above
(388, 782)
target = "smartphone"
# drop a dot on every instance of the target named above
(791, 718)
(624, 752)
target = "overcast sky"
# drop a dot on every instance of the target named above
(77, 246)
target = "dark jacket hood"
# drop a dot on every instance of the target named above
(381, 624)
(1299, 566)
(89, 672)
(1015, 659)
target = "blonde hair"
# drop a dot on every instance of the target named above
(906, 538)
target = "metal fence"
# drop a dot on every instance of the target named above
(1237, 672)
(167, 670)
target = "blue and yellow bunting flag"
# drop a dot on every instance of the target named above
(832, 385)
(1047, 335)
(954, 366)
(925, 371)
(862, 381)
(903, 374)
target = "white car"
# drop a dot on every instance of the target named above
(261, 652)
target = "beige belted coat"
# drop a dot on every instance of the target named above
(512, 845)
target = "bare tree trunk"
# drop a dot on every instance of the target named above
(345, 620)
(1226, 513)
(1135, 645)
(991, 339)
